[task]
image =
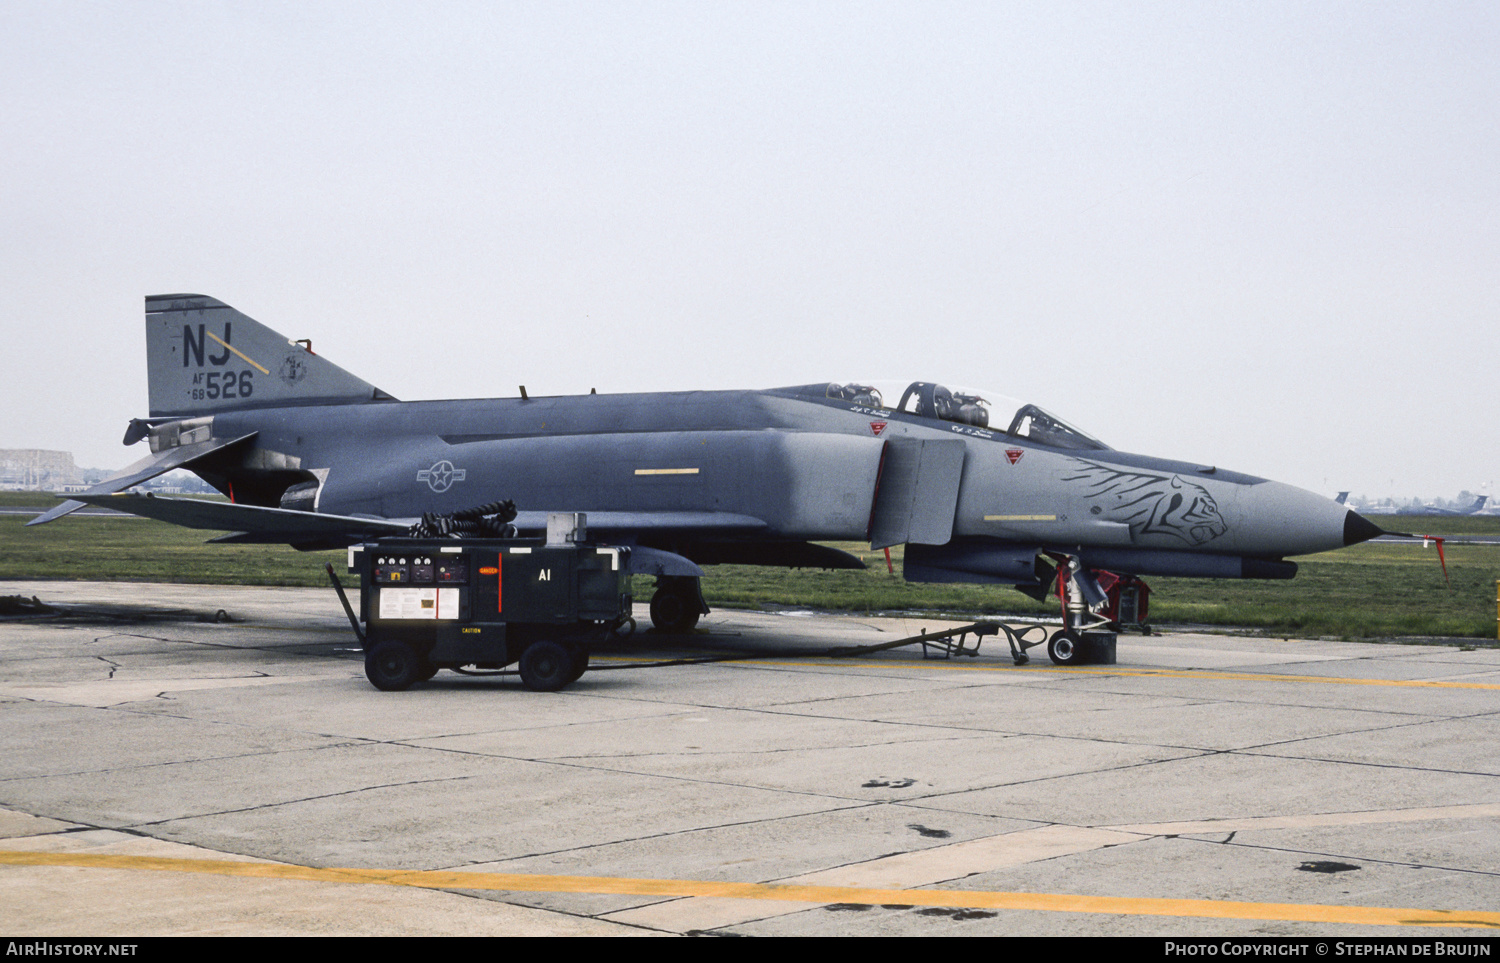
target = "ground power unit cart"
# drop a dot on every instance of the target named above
(441, 603)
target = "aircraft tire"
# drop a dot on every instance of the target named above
(392, 666)
(673, 612)
(547, 666)
(1063, 649)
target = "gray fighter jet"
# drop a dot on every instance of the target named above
(978, 487)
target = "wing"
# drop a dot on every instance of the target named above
(148, 467)
(253, 523)
(676, 541)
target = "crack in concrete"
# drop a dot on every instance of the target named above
(1066, 775)
(182, 762)
(1407, 864)
(113, 666)
(1345, 732)
(301, 799)
(1373, 765)
(1422, 719)
(668, 834)
(768, 820)
(699, 751)
(286, 648)
(674, 777)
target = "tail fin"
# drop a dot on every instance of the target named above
(203, 356)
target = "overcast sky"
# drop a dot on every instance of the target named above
(1259, 235)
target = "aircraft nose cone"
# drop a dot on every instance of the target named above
(1358, 528)
(1278, 520)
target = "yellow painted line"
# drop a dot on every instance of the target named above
(666, 471)
(1020, 518)
(243, 356)
(1264, 677)
(623, 886)
(1104, 671)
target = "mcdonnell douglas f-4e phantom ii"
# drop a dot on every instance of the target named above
(978, 487)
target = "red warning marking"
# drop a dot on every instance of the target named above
(1013, 455)
(877, 426)
(1441, 560)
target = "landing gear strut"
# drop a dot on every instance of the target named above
(677, 604)
(1089, 611)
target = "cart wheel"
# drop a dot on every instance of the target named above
(546, 666)
(392, 666)
(1063, 649)
(580, 666)
(428, 671)
(673, 612)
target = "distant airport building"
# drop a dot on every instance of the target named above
(35, 469)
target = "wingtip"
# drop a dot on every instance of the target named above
(56, 512)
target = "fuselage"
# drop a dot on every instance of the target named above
(802, 464)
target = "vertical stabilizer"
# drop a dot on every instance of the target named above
(204, 356)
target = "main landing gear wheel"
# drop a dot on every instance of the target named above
(392, 666)
(547, 666)
(674, 607)
(1063, 649)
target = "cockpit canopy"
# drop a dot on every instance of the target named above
(966, 406)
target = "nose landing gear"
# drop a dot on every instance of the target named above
(1094, 604)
